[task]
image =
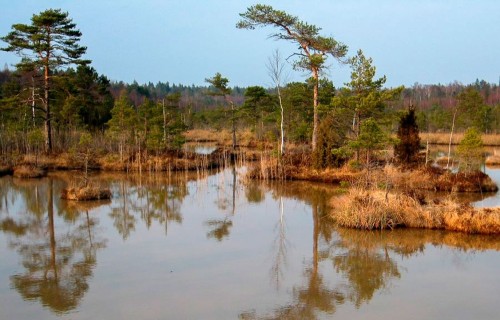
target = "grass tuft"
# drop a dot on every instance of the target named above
(86, 193)
(28, 172)
(375, 209)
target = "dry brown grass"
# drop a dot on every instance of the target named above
(86, 193)
(444, 138)
(28, 171)
(204, 135)
(363, 209)
(60, 161)
(224, 137)
(297, 166)
(174, 161)
(374, 209)
(435, 179)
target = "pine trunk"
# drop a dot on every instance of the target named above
(315, 109)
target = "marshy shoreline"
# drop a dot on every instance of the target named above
(382, 197)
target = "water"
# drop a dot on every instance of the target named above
(194, 246)
(200, 147)
(490, 199)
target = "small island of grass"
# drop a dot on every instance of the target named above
(375, 209)
(86, 193)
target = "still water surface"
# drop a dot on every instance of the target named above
(217, 247)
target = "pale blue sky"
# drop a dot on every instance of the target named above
(186, 41)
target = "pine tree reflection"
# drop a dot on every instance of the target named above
(123, 220)
(162, 203)
(254, 192)
(221, 228)
(57, 265)
(152, 198)
(366, 270)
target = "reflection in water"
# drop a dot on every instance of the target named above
(279, 246)
(221, 228)
(155, 199)
(365, 261)
(161, 204)
(57, 263)
(315, 269)
(123, 220)
(366, 269)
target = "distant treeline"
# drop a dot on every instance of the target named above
(83, 100)
(476, 104)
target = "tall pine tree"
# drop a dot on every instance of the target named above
(48, 43)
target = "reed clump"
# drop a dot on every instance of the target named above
(376, 209)
(297, 166)
(28, 172)
(86, 193)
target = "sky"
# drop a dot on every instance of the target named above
(187, 41)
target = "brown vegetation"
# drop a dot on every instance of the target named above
(86, 193)
(375, 209)
(60, 161)
(297, 167)
(28, 171)
(436, 179)
(444, 138)
(172, 161)
(223, 137)
(205, 135)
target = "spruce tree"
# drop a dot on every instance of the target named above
(406, 150)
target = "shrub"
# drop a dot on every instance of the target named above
(470, 151)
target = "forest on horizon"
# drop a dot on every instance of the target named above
(154, 116)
